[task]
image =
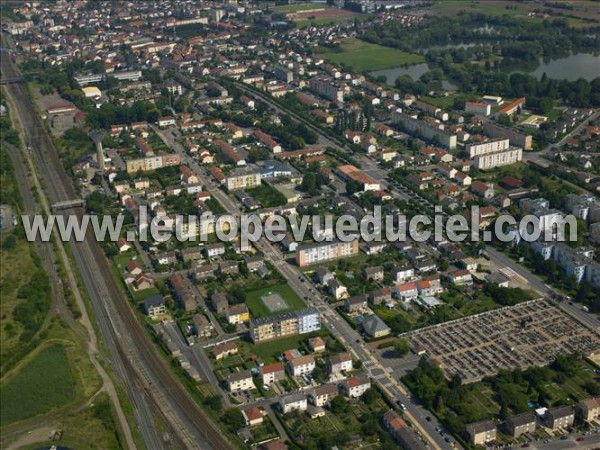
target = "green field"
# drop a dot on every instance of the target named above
(259, 309)
(45, 383)
(364, 57)
(300, 7)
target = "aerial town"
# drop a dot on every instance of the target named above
(468, 112)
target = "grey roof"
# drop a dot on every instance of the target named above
(373, 324)
(154, 300)
(293, 398)
(241, 375)
(521, 419)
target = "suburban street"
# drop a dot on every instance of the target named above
(377, 367)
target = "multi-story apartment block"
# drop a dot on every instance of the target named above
(503, 158)
(152, 162)
(325, 251)
(285, 324)
(425, 130)
(483, 148)
(326, 89)
(516, 138)
(478, 108)
(242, 179)
(580, 205)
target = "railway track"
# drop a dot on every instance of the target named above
(145, 375)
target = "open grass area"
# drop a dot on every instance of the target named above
(45, 383)
(258, 308)
(268, 351)
(364, 57)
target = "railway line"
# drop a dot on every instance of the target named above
(151, 386)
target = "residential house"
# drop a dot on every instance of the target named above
(203, 272)
(219, 302)
(238, 314)
(293, 402)
(202, 325)
(272, 372)
(373, 273)
(301, 365)
(337, 289)
(589, 409)
(355, 387)
(400, 432)
(240, 381)
(191, 254)
(380, 296)
(323, 275)
(216, 249)
(229, 267)
(402, 273)
(521, 424)
(482, 432)
(323, 394)
(560, 417)
(375, 327)
(340, 363)
(224, 350)
(155, 306)
(406, 291)
(252, 416)
(482, 189)
(316, 344)
(355, 304)
(461, 276)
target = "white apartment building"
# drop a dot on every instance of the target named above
(240, 381)
(293, 402)
(501, 158)
(497, 145)
(325, 251)
(301, 366)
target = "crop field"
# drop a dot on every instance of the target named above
(273, 299)
(365, 57)
(45, 383)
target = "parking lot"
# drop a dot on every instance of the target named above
(529, 334)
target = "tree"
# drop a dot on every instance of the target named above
(309, 182)
(401, 347)
(371, 395)
(233, 419)
(339, 405)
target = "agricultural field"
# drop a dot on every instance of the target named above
(43, 384)
(365, 57)
(273, 300)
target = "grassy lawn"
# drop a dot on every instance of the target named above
(267, 196)
(259, 309)
(363, 56)
(43, 384)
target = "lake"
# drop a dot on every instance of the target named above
(415, 73)
(572, 67)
